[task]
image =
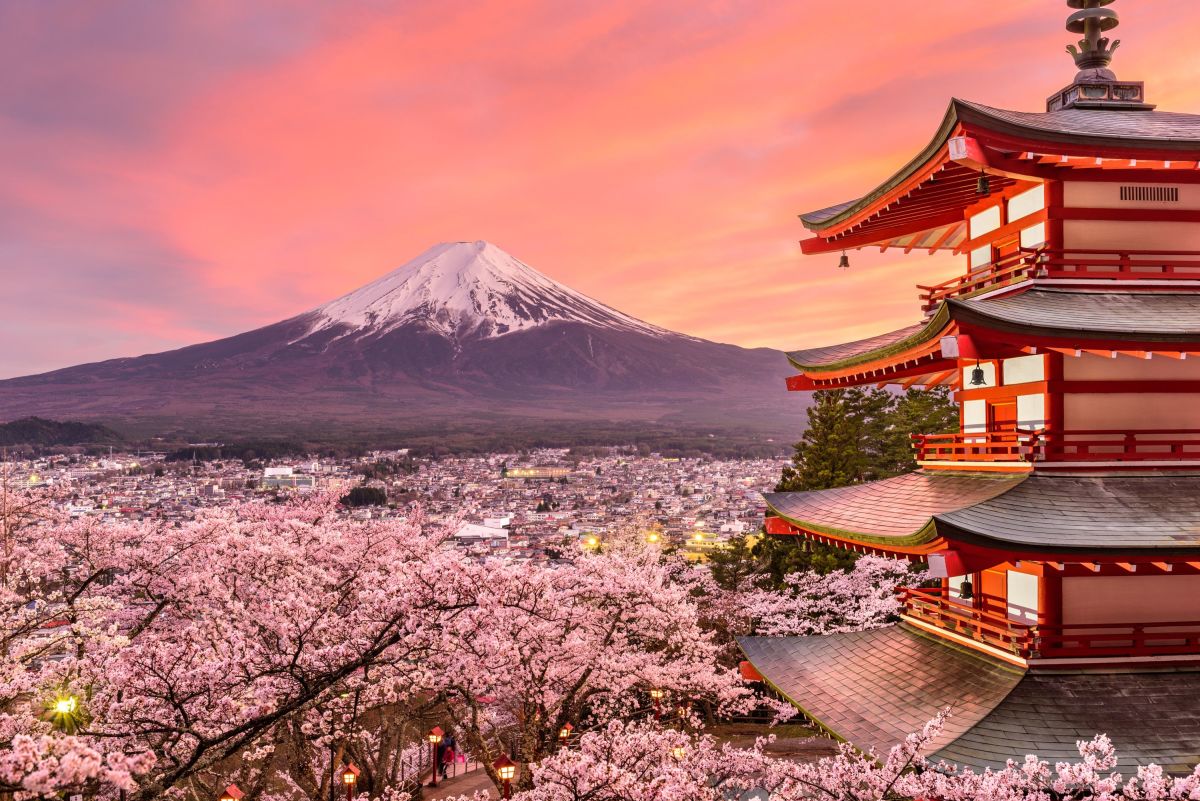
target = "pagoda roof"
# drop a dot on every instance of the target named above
(920, 206)
(1064, 512)
(1072, 314)
(847, 353)
(1043, 513)
(873, 688)
(895, 511)
(1141, 316)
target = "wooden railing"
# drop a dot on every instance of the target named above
(1071, 641)
(1125, 639)
(1117, 446)
(1003, 446)
(1167, 445)
(1120, 265)
(934, 607)
(1008, 270)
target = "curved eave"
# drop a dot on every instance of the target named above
(1018, 128)
(926, 536)
(833, 216)
(933, 329)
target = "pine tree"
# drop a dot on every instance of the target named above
(915, 412)
(829, 454)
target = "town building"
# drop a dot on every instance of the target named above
(1063, 517)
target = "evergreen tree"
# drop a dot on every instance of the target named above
(829, 454)
(915, 412)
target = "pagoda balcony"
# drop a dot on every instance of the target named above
(1050, 447)
(1042, 263)
(933, 608)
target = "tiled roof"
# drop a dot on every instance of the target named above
(1101, 314)
(1146, 128)
(832, 354)
(894, 508)
(1088, 512)
(1156, 316)
(873, 688)
(1151, 718)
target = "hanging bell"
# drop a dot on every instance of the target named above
(978, 379)
(983, 187)
(844, 262)
(965, 591)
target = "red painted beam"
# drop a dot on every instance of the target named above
(1127, 215)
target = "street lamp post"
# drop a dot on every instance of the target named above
(506, 770)
(564, 734)
(350, 779)
(656, 695)
(435, 736)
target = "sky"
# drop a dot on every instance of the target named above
(175, 171)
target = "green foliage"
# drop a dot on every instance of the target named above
(857, 435)
(765, 563)
(364, 496)
(781, 556)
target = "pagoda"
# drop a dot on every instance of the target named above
(1063, 518)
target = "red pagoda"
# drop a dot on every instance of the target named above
(1064, 516)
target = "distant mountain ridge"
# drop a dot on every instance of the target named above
(463, 336)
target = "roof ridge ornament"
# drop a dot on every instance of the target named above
(1096, 86)
(1095, 51)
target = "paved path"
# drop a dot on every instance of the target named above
(464, 784)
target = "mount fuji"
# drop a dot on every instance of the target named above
(465, 336)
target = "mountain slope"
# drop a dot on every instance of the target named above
(465, 335)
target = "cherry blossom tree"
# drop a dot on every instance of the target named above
(644, 762)
(539, 647)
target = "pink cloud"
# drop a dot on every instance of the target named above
(652, 155)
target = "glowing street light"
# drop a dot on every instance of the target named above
(435, 737)
(506, 771)
(656, 696)
(65, 714)
(232, 793)
(653, 537)
(564, 733)
(679, 752)
(350, 779)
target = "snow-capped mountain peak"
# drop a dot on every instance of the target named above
(468, 289)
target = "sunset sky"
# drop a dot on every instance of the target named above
(180, 170)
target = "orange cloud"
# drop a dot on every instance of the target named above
(253, 160)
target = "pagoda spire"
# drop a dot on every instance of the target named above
(1096, 86)
(1095, 50)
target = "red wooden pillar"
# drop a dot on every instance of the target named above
(1054, 225)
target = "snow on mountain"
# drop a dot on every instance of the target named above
(467, 290)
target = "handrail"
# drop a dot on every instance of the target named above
(1101, 264)
(1051, 641)
(991, 446)
(1082, 445)
(935, 608)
